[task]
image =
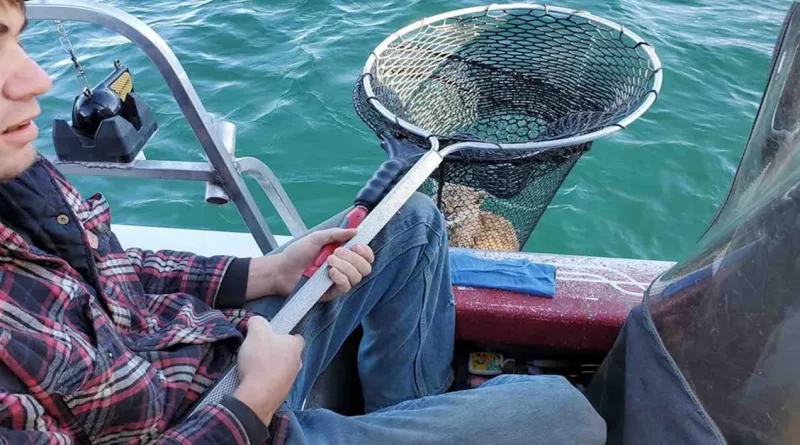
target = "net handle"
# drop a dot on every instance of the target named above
(309, 294)
(651, 96)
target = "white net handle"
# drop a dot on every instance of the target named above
(298, 305)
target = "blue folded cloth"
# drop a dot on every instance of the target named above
(517, 275)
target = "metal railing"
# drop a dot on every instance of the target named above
(223, 173)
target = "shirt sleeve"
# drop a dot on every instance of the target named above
(219, 281)
(216, 424)
(24, 420)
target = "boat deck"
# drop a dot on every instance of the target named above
(593, 298)
(593, 295)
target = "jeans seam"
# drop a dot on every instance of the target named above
(422, 326)
(321, 318)
(322, 326)
(403, 231)
(413, 403)
(424, 253)
(422, 387)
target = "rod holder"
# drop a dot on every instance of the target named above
(215, 193)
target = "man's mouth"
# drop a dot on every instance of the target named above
(20, 126)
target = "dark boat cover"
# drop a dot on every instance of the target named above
(713, 354)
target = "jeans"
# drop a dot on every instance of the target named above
(407, 311)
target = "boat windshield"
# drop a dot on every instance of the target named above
(729, 315)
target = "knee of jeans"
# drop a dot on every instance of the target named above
(420, 207)
(556, 401)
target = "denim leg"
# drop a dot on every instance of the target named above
(507, 410)
(405, 305)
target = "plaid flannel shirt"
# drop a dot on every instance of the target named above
(100, 345)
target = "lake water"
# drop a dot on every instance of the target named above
(283, 71)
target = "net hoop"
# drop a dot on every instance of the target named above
(410, 30)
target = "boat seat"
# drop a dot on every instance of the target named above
(593, 298)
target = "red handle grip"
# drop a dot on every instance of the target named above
(350, 221)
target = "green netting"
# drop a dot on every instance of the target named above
(505, 76)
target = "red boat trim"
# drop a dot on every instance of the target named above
(593, 298)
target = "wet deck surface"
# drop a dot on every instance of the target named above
(593, 298)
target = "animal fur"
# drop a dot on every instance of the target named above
(469, 226)
(496, 233)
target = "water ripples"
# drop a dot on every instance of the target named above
(283, 71)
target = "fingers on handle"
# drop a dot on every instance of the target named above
(361, 264)
(299, 344)
(257, 322)
(340, 280)
(335, 235)
(345, 267)
(365, 252)
(299, 340)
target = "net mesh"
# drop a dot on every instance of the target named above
(506, 76)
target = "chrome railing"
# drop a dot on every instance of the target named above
(223, 173)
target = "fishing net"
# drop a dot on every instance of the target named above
(538, 83)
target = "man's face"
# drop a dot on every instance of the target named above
(21, 81)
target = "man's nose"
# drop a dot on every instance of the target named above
(27, 82)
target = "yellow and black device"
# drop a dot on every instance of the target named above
(120, 82)
(110, 123)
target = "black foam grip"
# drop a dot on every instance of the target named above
(381, 182)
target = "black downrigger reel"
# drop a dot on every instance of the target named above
(110, 123)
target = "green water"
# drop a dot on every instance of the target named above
(283, 71)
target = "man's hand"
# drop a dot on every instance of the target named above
(268, 364)
(278, 274)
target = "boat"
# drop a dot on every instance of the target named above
(672, 373)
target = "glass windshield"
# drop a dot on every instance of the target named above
(729, 315)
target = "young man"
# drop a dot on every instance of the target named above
(100, 345)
